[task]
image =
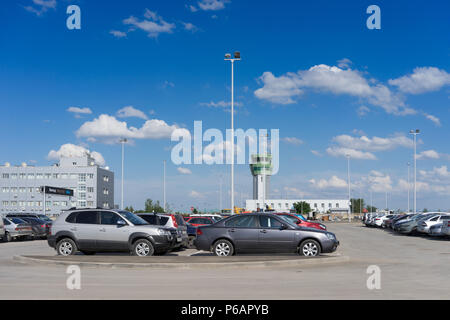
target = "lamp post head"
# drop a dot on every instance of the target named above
(237, 55)
(228, 56)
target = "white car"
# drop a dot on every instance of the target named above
(445, 230)
(378, 220)
(424, 225)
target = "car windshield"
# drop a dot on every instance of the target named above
(134, 219)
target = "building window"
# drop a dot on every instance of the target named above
(56, 203)
(13, 175)
(13, 189)
(106, 178)
(5, 176)
(13, 203)
(82, 188)
(90, 204)
(22, 176)
(64, 176)
(105, 191)
(55, 175)
(48, 176)
(63, 203)
(31, 190)
(48, 203)
(337, 205)
(5, 189)
(82, 196)
(82, 203)
(82, 177)
(90, 175)
(315, 205)
(5, 203)
(73, 176)
(22, 190)
(90, 189)
(329, 205)
(39, 176)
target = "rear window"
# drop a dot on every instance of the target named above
(180, 220)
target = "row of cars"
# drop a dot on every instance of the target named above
(144, 234)
(429, 223)
(24, 226)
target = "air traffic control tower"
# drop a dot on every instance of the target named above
(261, 169)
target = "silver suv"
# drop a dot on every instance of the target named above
(100, 230)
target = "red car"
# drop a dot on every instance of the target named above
(199, 221)
(293, 218)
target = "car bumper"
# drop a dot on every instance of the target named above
(51, 240)
(202, 244)
(329, 246)
(15, 234)
(164, 243)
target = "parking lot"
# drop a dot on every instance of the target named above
(411, 268)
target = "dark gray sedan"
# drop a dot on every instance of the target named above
(263, 233)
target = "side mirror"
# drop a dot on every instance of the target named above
(121, 223)
(284, 227)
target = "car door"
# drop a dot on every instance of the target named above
(243, 231)
(113, 232)
(85, 229)
(272, 237)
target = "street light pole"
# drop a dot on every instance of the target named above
(164, 186)
(415, 133)
(122, 141)
(236, 57)
(409, 185)
(349, 193)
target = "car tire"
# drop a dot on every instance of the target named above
(88, 253)
(223, 248)
(309, 248)
(66, 247)
(143, 248)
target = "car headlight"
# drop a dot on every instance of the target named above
(331, 236)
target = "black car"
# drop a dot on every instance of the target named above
(263, 233)
(40, 227)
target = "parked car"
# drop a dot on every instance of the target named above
(214, 217)
(387, 223)
(40, 228)
(16, 228)
(264, 233)
(398, 219)
(174, 221)
(2, 230)
(298, 221)
(30, 215)
(200, 221)
(379, 219)
(409, 225)
(445, 230)
(436, 230)
(425, 224)
(100, 230)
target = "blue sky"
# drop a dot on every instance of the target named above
(311, 69)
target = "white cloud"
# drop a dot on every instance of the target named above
(220, 104)
(428, 154)
(354, 154)
(190, 27)
(344, 63)
(362, 111)
(212, 5)
(425, 79)
(379, 182)
(292, 140)
(373, 144)
(70, 150)
(118, 34)
(108, 127)
(79, 111)
(131, 112)
(330, 79)
(195, 194)
(41, 6)
(316, 153)
(333, 182)
(184, 170)
(154, 24)
(434, 119)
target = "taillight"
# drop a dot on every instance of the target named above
(43, 226)
(448, 224)
(50, 230)
(174, 220)
(199, 232)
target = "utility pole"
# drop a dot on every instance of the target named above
(164, 186)
(415, 133)
(349, 186)
(122, 141)
(409, 186)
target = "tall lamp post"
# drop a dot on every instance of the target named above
(122, 141)
(164, 186)
(415, 133)
(236, 57)
(409, 185)
(349, 192)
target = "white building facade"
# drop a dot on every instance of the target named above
(284, 205)
(20, 186)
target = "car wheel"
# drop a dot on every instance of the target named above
(66, 247)
(143, 248)
(309, 248)
(223, 248)
(88, 253)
